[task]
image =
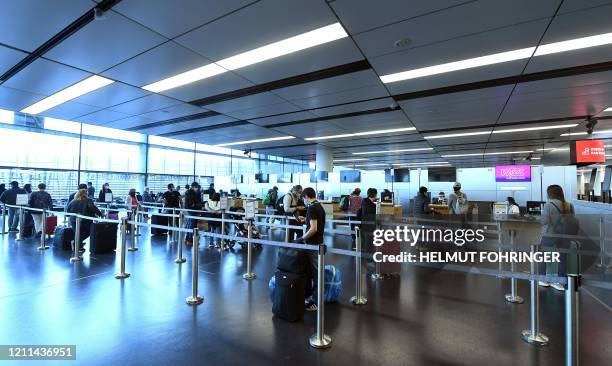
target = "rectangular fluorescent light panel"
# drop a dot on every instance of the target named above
(7, 117)
(491, 153)
(496, 58)
(423, 163)
(511, 130)
(392, 151)
(82, 87)
(349, 160)
(461, 134)
(258, 140)
(367, 133)
(290, 45)
(300, 42)
(608, 109)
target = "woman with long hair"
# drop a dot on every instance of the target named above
(82, 205)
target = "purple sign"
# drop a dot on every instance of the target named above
(513, 173)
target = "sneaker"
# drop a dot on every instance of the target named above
(558, 286)
(311, 306)
(544, 283)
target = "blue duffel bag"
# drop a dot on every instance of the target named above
(333, 284)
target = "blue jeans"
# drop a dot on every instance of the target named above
(13, 218)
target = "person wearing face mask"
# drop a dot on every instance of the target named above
(315, 231)
(292, 207)
(132, 201)
(105, 189)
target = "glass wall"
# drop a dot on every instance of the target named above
(47, 150)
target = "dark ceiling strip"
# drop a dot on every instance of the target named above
(542, 75)
(172, 121)
(206, 128)
(283, 83)
(334, 116)
(72, 28)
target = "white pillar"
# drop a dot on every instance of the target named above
(324, 160)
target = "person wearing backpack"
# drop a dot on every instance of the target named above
(290, 206)
(457, 201)
(557, 218)
(270, 203)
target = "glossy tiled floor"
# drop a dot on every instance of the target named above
(428, 317)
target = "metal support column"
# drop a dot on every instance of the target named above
(249, 275)
(358, 299)
(571, 321)
(195, 299)
(123, 274)
(320, 339)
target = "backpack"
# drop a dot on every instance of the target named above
(344, 201)
(268, 199)
(566, 223)
(461, 204)
(280, 209)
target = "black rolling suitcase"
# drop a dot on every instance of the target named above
(103, 237)
(159, 220)
(288, 301)
(62, 237)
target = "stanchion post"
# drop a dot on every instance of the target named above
(137, 216)
(21, 224)
(181, 221)
(533, 335)
(77, 241)
(320, 339)
(571, 320)
(133, 246)
(512, 297)
(602, 245)
(173, 234)
(500, 267)
(358, 299)
(3, 219)
(287, 229)
(195, 298)
(43, 229)
(180, 258)
(222, 229)
(249, 275)
(376, 276)
(123, 274)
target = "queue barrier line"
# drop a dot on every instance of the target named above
(156, 214)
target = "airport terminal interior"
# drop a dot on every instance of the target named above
(307, 182)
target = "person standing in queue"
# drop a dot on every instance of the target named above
(292, 207)
(193, 201)
(103, 192)
(82, 205)
(367, 216)
(41, 200)
(314, 235)
(9, 197)
(91, 191)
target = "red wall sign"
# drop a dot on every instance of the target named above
(590, 151)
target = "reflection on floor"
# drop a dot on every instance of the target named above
(427, 317)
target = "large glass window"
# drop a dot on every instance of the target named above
(120, 183)
(111, 156)
(59, 183)
(212, 165)
(38, 150)
(169, 161)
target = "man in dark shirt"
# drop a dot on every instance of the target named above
(367, 216)
(91, 190)
(41, 200)
(315, 229)
(171, 198)
(193, 201)
(9, 197)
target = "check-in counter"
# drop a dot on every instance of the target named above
(240, 202)
(329, 207)
(390, 209)
(439, 209)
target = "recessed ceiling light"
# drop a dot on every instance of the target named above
(461, 134)
(392, 151)
(82, 87)
(290, 45)
(367, 133)
(374, 164)
(255, 141)
(491, 153)
(585, 133)
(349, 160)
(425, 163)
(536, 158)
(510, 130)
(550, 127)
(608, 109)
(523, 53)
(423, 166)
